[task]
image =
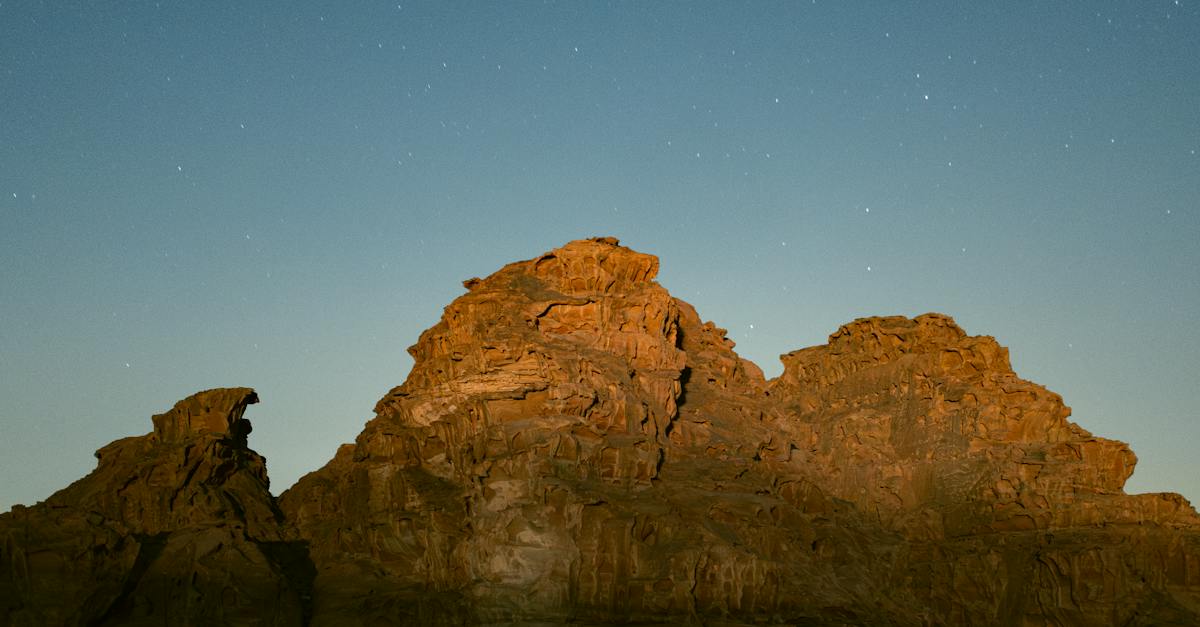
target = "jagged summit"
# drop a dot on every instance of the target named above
(177, 524)
(216, 411)
(575, 445)
(597, 264)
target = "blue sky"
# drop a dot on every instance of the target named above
(282, 196)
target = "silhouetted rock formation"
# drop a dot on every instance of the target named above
(574, 445)
(177, 525)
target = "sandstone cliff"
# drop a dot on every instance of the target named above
(574, 445)
(177, 526)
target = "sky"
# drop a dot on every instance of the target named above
(284, 195)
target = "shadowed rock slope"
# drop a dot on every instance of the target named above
(174, 527)
(575, 446)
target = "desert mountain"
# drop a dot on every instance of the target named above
(576, 446)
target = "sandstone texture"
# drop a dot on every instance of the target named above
(576, 446)
(174, 527)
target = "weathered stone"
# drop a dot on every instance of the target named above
(1013, 514)
(573, 445)
(215, 411)
(177, 527)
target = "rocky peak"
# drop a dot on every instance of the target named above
(590, 295)
(574, 445)
(216, 411)
(175, 525)
(597, 265)
(931, 430)
(871, 342)
(573, 442)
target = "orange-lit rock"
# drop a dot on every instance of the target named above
(574, 445)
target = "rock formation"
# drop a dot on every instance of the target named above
(574, 445)
(175, 525)
(1011, 513)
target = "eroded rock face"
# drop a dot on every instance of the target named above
(537, 407)
(574, 445)
(1013, 514)
(174, 527)
(931, 430)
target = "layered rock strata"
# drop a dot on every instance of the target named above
(1011, 513)
(575, 446)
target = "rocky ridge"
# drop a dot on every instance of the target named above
(574, 445)
(177, 524)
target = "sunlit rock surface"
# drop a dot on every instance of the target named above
(576, 446)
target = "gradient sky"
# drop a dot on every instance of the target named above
(284, 195)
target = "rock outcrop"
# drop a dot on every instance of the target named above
(176, 526)
(1012, 514)
(575, 446)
